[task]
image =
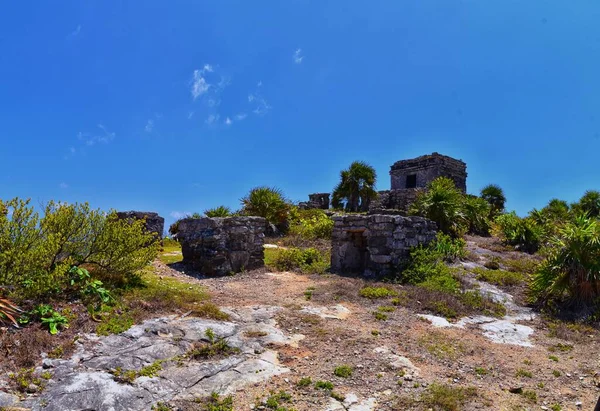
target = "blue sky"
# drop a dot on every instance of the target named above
(183, 105)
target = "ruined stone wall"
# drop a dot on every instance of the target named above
(316, 200)
(154, 223)
(220, 246)
(427, 168)
(394, 201)
(376, 245)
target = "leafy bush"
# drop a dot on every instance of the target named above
(571, 268)
(523, 233)
(476, 211)
(310, 224)
(267, 202)
(49, 317)
(308, 260)
(356, 187)
(373, 293)
(36, 253)
(589, 203)
(499, 277)
(442, 202)
(220, 211)
(451, 249)
(494, 196)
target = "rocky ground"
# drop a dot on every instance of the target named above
(288, 332)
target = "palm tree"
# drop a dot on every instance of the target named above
(494, 195)
(267, 202)
(589, 203)
(356, 187)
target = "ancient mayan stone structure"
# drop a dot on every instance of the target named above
(408, 177)
(316, 200)
(376, 245)
(154, 223)
(220, 246)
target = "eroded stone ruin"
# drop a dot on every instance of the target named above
(376, 245)
(221, 246)
(316, 200)
(410, 176)
(154, 223)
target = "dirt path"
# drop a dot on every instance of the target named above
(460, 357)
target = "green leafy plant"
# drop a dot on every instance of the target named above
(308, 260)
(49, 317)
(324, 385)
(356, 188)
(267, 202)
(88, 286)
(523, 233)
(442, 202)
(494, 196)
(310, 224)
(373, 293)
(220, 211)
(589, 204)
(343, 371)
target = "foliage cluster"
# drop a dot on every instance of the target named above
(310, 224)
(356, 188)
(308, 260)
(38, 252)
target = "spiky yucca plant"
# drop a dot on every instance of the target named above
(572, 265)
(220, 211)
(8, 312)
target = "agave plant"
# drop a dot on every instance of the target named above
(8, 311)
(220, 211)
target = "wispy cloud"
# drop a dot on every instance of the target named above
(149, 126)
(179, 214)
(63, 185)
(103, 137)
(199, 84)
(228, 121)
(190, 115)
(212, 119)
(262, 107)
(298, 57)
(241, 116)
(76, 32)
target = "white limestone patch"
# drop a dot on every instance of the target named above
(351, 403)
(338, 312)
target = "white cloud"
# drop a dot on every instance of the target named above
(149, 126)
(228, 121)
(298, 57)
(211, 119)
(190, 115)
(262, 106)
(90, 139)
(241, 116)
(199, 84)
(208, 68)
(180, 214)
(63, 185)
(259, 84)
(251, 98)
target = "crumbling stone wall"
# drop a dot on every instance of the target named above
(376, 245)
(316, 200)
(419, 171)
(154, 223)
(220, 246)
(394, 201)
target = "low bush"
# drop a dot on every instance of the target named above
(523, 233)
(373, 293)
(220, 211)
(308, 260)
(269, 203)
(310, 224)
(499, 277)
(36, 253)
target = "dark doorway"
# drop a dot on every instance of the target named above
(356, 252)
(411, 181)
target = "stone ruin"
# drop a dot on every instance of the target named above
(410, 176)
(376, 245)
(154, 223)
(316, 200)
(221, 246)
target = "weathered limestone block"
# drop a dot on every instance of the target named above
(219, 246)
(154, 223)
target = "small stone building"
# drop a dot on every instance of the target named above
(316, 200)
(408, 177)
(154, 223)
(220, 246)
(376, 245)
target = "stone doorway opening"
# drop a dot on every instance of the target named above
(357, 253)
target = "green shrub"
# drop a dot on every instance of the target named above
(523, 233)
(571, 268)
(451, 249)
(36, 252)
(589, 204)
(377, 292)
(310, 224)
(220, 211)
(447, 397)
(343, 371)
(324, 385)
(308, 260)
(267, 202)
(426, 264)
(442, 202)
(499, 277)
(477, 215)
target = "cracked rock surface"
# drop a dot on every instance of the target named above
(85, 381)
